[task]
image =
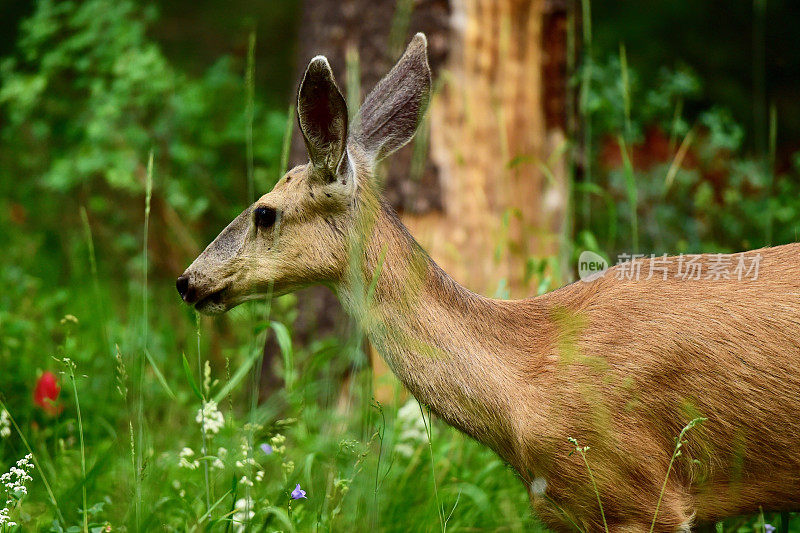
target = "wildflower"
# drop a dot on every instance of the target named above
(277, 443)
(538, 486)
(177, 486)
(185, 459)
(342, 485)
(210, 417)
(207, 376)
(5, 424)
(246, 457)
(243, 513)
(411, 428)
(122, 375)
(260, 476)
(5, 519)
(769, 528)
(266, 448)
(13, 483)
(69, 319)
(46, 393)
(246, 481)
(298, 493)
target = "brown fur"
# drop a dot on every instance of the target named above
(619, 365)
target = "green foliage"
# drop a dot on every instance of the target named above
(88, 94)
(718, 199)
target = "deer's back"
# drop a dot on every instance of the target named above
(631, 362)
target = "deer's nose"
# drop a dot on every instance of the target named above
(186, 290)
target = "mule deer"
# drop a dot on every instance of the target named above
(621, 365)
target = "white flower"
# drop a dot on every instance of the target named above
(278, 443)
(5, 519)
(5, 424)
(538, 486)
(245, 481)
(207, 376)
(247, 459)
(410, 428)
(406, 450)
(210, 417)
(13, 483)
(260, 475)
(243, 513)
(185, 459)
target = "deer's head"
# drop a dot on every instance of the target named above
(300, 233)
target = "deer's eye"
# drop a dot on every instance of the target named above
(265, 217)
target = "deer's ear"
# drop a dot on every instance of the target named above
(322, 116)
(393, 110)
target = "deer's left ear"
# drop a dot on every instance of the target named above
(322, 116)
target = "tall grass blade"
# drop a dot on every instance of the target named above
(249, 114)
(85, 511)
(159, 376)
(237, 377)
(139, 451)
(428, 433)
(770, 170)
(582, 451)
(202, 407)
(679, 442)
(626, 92)
(353, 89)
(632, 191)
(87, 228)
(585, 114)
(759, 76)
(287, 141)
(399, 27)
(254, 348)
(187, 371)
(285, 343)
(677, 161)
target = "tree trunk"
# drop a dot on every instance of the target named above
(491, 138)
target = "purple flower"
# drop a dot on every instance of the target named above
(767, 527)
(266, 448)
(298, 493)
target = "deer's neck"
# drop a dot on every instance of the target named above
(457, 352)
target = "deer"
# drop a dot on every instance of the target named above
(618, 365)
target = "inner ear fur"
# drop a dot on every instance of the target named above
(322, 118)
(394, 109)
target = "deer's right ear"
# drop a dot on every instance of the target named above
(322, 116)
(391, 113)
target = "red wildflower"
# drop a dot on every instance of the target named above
(46, 393)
